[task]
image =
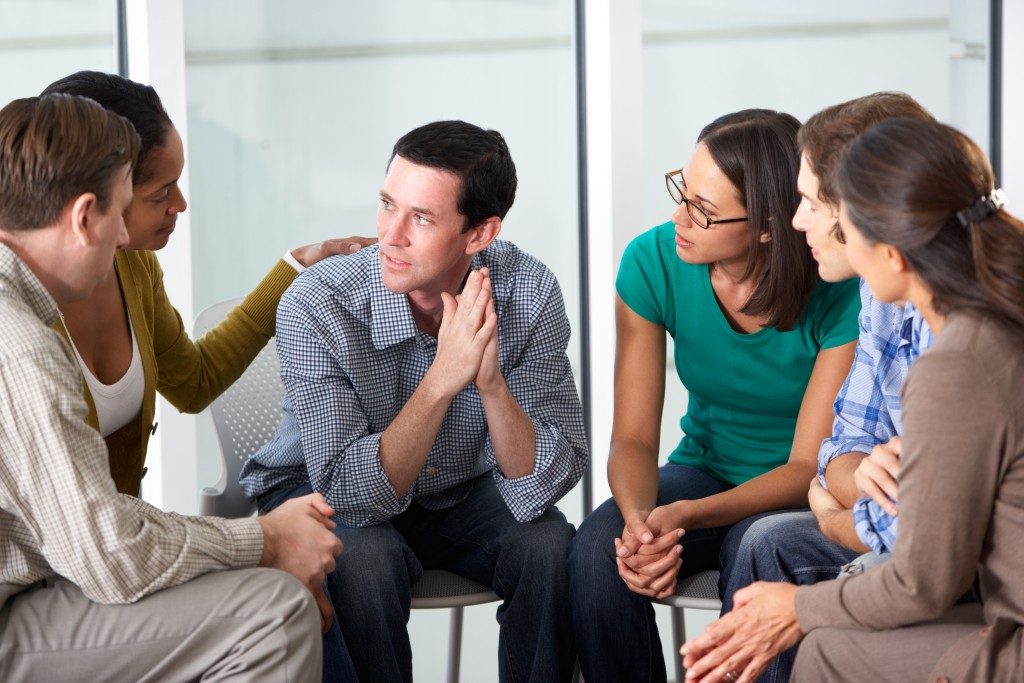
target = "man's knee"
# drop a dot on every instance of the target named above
(375, 561)
(541, 546)
(282, 593)
(770, 535)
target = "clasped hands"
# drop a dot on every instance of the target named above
(648, 553)
(467, 342)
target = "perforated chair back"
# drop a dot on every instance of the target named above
(245, 417)
(698, 591)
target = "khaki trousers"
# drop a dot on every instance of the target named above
(896, 656)
(241, 625)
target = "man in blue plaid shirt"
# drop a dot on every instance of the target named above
(429, 398)
(854, 498)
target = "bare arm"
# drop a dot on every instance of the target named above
(407, 441)
(839, 476)
(512, 437)
(511, 432)
(639, 398)
(834, 520)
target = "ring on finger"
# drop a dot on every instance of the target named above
(732, 676)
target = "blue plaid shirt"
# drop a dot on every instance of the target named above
(351, 356)
(868, 408)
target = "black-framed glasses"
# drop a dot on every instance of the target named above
(674, 184)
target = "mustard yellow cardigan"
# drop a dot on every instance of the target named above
(189, 374)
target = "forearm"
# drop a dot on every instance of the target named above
(407, 441)
(633, 476)
(838, 527)
(513, 440)
(194, 373)
(839, 477)
(781, 488)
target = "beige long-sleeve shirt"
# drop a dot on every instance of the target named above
(60, 513)
(961, 506)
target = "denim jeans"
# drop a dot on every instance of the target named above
(524, 563)
(783, 546)
(337, 663)
(616, 634)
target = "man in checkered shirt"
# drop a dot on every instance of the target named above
(430, 400)
(94, 584)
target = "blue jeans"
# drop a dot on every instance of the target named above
(783, 546)
(616, 634)
(524, 563)
(337, 663)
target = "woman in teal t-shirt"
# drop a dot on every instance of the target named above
(762, 347)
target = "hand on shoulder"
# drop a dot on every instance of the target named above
(314, 253)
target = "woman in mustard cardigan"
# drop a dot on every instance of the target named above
(129, 339)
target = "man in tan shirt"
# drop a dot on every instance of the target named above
(96, 585)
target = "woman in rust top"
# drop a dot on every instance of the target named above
(923, 223)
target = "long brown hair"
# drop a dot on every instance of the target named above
(904, 182)
(756, 150)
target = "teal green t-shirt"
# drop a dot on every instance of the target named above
(745, 389)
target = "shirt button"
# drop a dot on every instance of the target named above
(431, 471)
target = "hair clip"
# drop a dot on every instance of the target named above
(983, 208)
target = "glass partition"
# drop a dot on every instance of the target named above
(43, 40)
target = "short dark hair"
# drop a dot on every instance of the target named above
(903, 183)
(480, 158)
(134, 101)
(55, 148)
(756, 150)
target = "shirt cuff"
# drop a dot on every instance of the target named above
(293, 262)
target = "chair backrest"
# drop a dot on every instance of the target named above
(245, 417)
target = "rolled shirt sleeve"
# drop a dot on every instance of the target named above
(542, 383)
(341, 454)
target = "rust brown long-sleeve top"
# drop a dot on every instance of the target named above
(961, 498)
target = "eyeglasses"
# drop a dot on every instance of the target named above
(674, 183)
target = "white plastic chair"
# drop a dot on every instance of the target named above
(246, 417)
(699, 591)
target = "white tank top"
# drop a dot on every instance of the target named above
(116, 404)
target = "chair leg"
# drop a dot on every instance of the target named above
(678, 638)
(454, 645)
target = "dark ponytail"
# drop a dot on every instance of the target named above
(134, 101)
(904, 182)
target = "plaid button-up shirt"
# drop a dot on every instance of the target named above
(868, 408)
(59, 510)
(351, 356)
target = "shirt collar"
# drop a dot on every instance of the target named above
(914, 330)
(17, 281)
(391, 320)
